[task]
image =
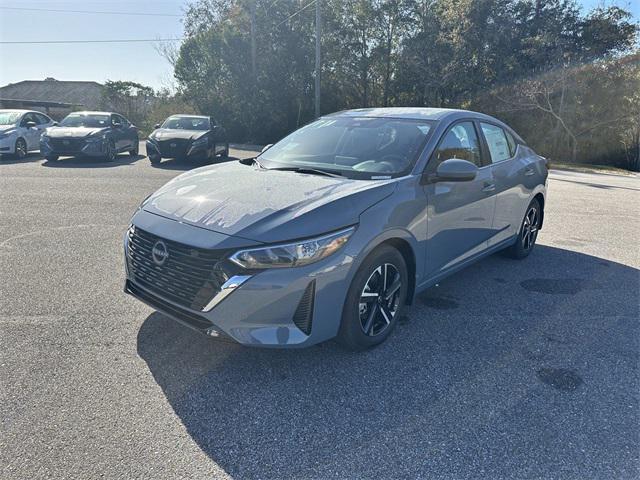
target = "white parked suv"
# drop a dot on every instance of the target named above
(20, 131)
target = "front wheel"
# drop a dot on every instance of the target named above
(375, 300)
(20, 149)
(528, 232)
(51, 158)
(110, 152)
(135, 150)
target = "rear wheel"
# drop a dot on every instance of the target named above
(225, 152)
(51, 158)
(135, 150)
(155, 159)
(375, 300)
(20, 149)
(528, 232)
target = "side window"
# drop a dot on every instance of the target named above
(497, 142)
(461, 141)
(116, 119)
(29, 117)
(41, 119)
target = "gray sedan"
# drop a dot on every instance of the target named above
(330, 232)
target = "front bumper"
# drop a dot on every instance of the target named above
(8, 144)
(72, 147)
(286, 307)
(179, 151)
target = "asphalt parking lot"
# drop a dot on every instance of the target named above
(508, 369)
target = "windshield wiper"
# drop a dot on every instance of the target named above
(312, 171)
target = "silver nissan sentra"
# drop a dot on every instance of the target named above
(330, 232)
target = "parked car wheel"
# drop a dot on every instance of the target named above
(110, 152)
(155, 159)
(225, 152)
(135, 150)
(20, 148)
(528, 232)
(375, 300)
(51, 158)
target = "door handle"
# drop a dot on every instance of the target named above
(489, 187)
(529, 171)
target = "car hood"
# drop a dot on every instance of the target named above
(174, 133)
(73, 132)
(265, 205)
(6, 128)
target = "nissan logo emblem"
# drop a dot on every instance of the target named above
(159, 253)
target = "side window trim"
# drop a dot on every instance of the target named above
(483, 156)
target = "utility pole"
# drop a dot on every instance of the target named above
(318, 34)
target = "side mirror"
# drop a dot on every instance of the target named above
(156, 126)
(266, 147)
(454, 170)
(54, 124)
(116, 125)
(30, 124)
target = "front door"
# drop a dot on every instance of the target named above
(460, 214)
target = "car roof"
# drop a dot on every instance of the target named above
(18, 110)
(412, 113)
(187, 116)
(87, 112)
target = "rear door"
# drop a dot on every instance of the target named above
(509, 173)
(460, 214)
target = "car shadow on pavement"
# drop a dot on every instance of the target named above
(11, 160)
(506, 369)
(89, 162)
(190, 164)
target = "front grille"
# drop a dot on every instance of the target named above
(192, 319)
(188, 277)
(303, 315)
(67, 144)
(167, 148)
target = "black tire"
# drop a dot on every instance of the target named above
(110, 154)
(155, 159)
(135, 150)
(225, 152)
(51, 158)
(20, 150)
(528, 233)
(364, 323)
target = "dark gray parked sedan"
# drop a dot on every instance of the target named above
(90, 134)
(334, 229)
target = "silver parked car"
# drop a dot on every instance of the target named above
(333, 230)
(20, 131)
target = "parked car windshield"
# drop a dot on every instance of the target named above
(187, 123)
(9, 118)
(364, 148)
(85, 120)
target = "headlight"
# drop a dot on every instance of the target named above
(7, 133)
(292, 254)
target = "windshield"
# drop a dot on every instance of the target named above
(85, 120)
(366, 147)
(9, 118)
(187, 123)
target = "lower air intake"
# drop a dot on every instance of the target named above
(303, 316)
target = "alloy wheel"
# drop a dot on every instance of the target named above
(530, 228)
(21, 148)
(380, 299)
